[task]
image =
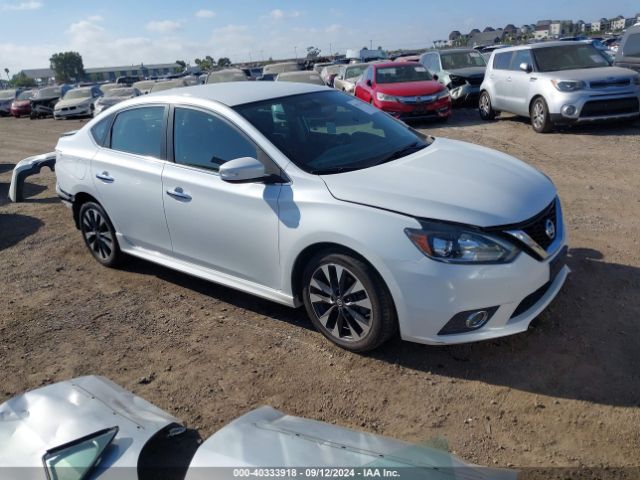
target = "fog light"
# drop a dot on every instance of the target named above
(468, 321)
(569, 110)
(476, 319)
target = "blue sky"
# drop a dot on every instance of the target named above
(119, 32)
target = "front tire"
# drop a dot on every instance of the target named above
(484, 107)
(99, 235)
(348, 302)
(540, 118)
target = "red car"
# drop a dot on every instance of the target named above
(22, 104)
(405, 90)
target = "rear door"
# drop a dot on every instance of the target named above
(500, 77)
(127, 175)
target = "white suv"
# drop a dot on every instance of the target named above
(304, 195)
(556, 83)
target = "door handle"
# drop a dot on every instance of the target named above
(105, 177)
(179, 194)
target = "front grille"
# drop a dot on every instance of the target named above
(618, 82)
(598, 108)
(536, 227)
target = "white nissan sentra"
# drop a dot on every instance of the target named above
(304, 195)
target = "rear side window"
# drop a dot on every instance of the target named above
(139, 131)
(204, 140)
(631, 47)
(502, 60)
(100, 129)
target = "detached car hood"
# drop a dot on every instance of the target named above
(468, 72)
(409, 88)
(72, 102)
(451, 181)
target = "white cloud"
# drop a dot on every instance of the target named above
(278, 14)
(95, 18)
(13, 7)
(205, 14)
(163, 26)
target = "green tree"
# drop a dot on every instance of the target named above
(207, 63)
(224, 62)
(182, 63)
(67, 66)
(6, 70)
(21, 80)
(313, 52)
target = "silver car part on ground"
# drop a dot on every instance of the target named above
(41, 420)
(25, 168)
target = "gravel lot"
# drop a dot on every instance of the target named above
(566, 393)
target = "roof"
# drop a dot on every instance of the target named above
(238, 93)
(541, 45)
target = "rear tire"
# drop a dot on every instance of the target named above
(348, 302)
(99, 235)
(484, 107)
(540, 118)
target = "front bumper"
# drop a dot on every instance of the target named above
(418, 111)
(464, 93)
(69, 112)
(20, 111)
(594, 107)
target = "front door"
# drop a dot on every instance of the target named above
(517, 98)
(230, 228)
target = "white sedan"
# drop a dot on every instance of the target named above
(306, 196)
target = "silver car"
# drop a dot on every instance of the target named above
(348, 75)
(558, 83)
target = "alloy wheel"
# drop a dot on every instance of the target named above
(538, 114)
(485, 106)
(97, 234)
(340, 302)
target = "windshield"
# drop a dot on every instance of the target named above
(455, 60)
(120, 92)
(77, 93)
(401, 74)
(48, 92)
(26, 95)
(568, 57)
(330, 132)
(7, 94)
(353, 72)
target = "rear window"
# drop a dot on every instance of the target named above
(632, 46)
(139, 131)
(501, 61)
(100, 129)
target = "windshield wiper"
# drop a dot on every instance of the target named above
(403, 152)
(330, 171)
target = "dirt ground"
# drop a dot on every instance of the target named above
(566, 393)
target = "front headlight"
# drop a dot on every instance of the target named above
(568, 85)
(455, 244)
(383, 97)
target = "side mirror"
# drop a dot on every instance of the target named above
(368, 82)
(435, 77)
(242, 170)
(525, 67)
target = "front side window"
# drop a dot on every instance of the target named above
(139, 131)
(329, 132)
(520, 57)
(568, 57)
(203, 140)
(501, 61)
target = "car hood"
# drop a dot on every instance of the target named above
(21, 103)
(590, 74)
(468, 71)
(73, 102)
(409, 88)
(451, 181)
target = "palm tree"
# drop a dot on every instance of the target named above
(6, 70)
